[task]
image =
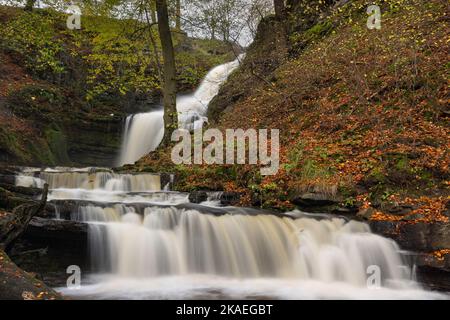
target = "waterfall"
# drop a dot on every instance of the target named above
(143, 132)
(170, 241)
(89, 179)
(148, 243)
(29, 181)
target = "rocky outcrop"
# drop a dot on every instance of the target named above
(419, 236)
(16, 284)
(198, 196)
(61, 231)
(323, 202)
(430, 243)
(93, 141)
(229, 198)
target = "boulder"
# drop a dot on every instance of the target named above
(397, 209)
(314, 199)
(366, 213)
(229, 198)
(198, 196)
(321, 202)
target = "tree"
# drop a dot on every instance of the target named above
(231, 20)
(29, 5)
(170, 85)
(153, 10)
(279, 8)
(178, 15)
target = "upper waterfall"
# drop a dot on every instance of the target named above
(143, 132)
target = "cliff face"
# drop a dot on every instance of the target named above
(44, 124)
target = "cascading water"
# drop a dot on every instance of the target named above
(172, 241)
(144, 245)
(89, 179)
(143, 132)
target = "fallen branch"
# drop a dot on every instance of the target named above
(14, 225)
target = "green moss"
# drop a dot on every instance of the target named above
(57, 142)
(402, 163)
(12, 144)
(319, 30)
(377, 175)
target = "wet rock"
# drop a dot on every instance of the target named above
(22, 191)
(322, 202)
(7, 179)
(345, 210)
(412, 217)
(9, 200)
(397, 209)
(69, 232)
(229, 198)
(433, 272)
(419, 237)
(16, 284)
(432, 261)
(8, 171)
(167, 179)
(314, 199)
(447, 209)
(198, 196)
(366, 213)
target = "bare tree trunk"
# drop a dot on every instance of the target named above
(279, 8)
(170, 84)
(153, 10)
(29, 5)
(178, 16)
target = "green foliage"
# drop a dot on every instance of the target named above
(107, 58)
(319, 30)
(311, 170)
(33, 36)
(117, 62)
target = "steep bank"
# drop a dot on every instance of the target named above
(64, 94)
(362, 115)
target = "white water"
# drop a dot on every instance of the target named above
(88, 179)
(172, 241)
(144, 131)
(141, 251)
